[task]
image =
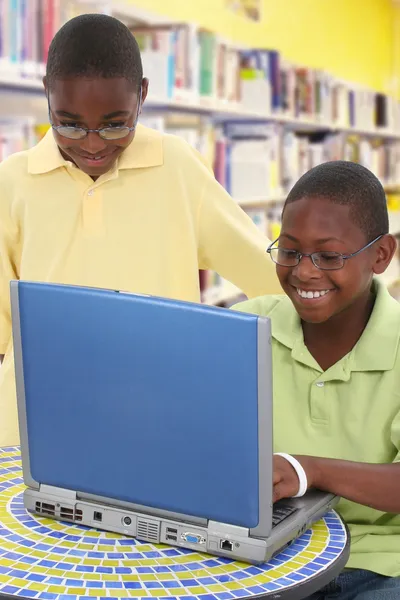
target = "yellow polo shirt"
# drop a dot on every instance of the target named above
(349, 412)
(146, 226)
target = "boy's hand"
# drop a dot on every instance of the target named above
(285, 479)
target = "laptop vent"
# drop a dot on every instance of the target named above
(148, 531)
(60, 512)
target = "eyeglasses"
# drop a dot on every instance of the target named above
(326, 261)
(106, 133)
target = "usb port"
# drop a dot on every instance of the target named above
(172, 530)
(171, 538)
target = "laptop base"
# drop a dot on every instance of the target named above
(216, 539)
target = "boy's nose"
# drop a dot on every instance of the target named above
(306, 270)
(93, 143)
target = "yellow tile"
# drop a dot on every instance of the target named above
(300, 560)
(91, 576)
(309, 555)
(159, 592)
(179, 592)
(216, 588)
(110, 563)
(181, 575)
(130, 577)
(75, 591)
(41, 570)
(147, 577)
(72, 560)
(55, 572)
(169, 576)
(57, 589)
(7, 563)
(233, 585)
(105, 548)
(92, 562)
(122, 593)
(68, 545)
(261, 579)
(107, 577)
(97, 592)
(74, 575)
(195, 591)
(4, 579)
(38, 587)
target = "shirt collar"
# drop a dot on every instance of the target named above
(146, 150)
(377, 348)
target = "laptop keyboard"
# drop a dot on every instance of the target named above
(281, 512)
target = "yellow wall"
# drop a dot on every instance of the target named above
(353, 39)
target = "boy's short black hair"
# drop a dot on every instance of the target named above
(348, 184)
(94, 45)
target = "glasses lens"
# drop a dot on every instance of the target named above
(114, 133)
(73, 133)
(328, 261)
(285, 258)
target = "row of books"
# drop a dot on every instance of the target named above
(187, 63)
(256, 161)
(275, 161)
(26, 30)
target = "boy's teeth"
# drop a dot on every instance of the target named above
(310, 295)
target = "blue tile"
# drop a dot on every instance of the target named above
(27, 593)
(9, 589)
(152, 554)
(253, 571)
(171, 584)
(114, 555)
(240, 593)
(123, 570)
(211, 563)
(162, 569)
(132, 585)
(55, 580)
(206, 581)
(225, 595)
(17, 573)
(4, 570)
(107, 570)
(271, 587)
(144, 570)
(83, 569)
(171, 552)
(255, 589)
(36, 577)
(152, 584)
(94, 584)
(74, 583)
(189, 582)
(25, 559)
(208, 597)
(113, 584)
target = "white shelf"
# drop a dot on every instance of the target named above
(221, 294)
(14, 85)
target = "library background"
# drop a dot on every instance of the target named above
(265, 90)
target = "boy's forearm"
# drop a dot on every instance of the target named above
(374, 485)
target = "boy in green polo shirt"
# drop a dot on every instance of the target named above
(336, 339)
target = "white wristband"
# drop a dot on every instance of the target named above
(301, 474)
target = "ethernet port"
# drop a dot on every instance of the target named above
(226, 545)
(97, 516)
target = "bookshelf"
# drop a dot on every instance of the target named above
(243, 108)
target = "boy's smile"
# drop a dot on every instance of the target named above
(318, 225)
(94, 104)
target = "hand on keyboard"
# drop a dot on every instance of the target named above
(286, 481)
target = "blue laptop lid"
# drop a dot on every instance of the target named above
(143, 400)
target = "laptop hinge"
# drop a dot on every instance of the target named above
(55, 491)
(224, 529)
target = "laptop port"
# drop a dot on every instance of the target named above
(226, 545)
(172, 530)
(171, 538)
(97, 516)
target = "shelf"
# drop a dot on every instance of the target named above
(222, 294)
(11, 83)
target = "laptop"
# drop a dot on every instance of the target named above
(151, 418)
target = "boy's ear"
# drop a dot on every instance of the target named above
(386, 248)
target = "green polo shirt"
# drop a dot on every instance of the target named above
(350, 412)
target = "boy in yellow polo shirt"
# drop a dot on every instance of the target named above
(102, 201)
(336, 353)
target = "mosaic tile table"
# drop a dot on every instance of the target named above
(48, 560)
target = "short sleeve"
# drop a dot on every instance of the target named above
(9, 265)
(232, 245)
